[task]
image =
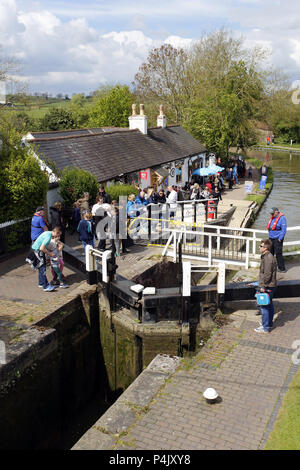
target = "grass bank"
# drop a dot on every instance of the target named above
(286, 432)
(259, 196)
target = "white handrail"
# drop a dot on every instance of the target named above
(248, 258)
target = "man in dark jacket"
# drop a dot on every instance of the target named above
(160, 197)
(267, 283)
(56, 219)
(106, 197)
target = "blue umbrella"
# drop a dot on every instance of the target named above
(207, 171)
(200, 172)
(216, 168)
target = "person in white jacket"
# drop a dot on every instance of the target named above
(172, 200)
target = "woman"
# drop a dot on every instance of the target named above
(151, 196)
(130, 207)
(131, 214)
(195, 192)
(115, 232)
(160, 197)
(56, 219)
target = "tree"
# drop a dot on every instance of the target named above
(225, 118)
(57, 119)
(78, 100)
(23, 185)
(22, 122)
(8, 66)
(80, 110)
(111, 107)
(163, 78)
(74, 182)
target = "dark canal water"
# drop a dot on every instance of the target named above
(286, 189)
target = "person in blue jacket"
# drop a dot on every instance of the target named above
(130, 207)
(140, 199)
(85, 229)
(38, 223)
(277, 227)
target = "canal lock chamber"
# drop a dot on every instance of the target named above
(82, 356)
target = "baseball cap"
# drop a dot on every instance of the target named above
(40, 208)
(274, 209)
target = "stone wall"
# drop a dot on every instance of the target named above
(55, 368)
(52, 371)
(129, 346)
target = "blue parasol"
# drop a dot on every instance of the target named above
(207, 171)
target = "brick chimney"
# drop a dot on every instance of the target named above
(138, 121)
(161, 118)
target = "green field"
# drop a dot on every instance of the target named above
(279, 146)
(37, 108)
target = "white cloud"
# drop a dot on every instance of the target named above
(72, 56)
(178, 42)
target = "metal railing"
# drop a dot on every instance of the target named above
(156, 220)
(214, 247)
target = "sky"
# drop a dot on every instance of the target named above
(71, 46)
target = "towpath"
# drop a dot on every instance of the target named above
(250, 371)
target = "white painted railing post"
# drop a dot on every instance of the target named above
(209, 250)
(254, 243)
(218, 239)
(90, 261)
(247, 253)
(175, 248)
(167, 244)
(221, 278)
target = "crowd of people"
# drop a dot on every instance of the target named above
(86, 218)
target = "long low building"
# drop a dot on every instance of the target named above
(158, 157)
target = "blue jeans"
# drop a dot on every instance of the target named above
(43, 281)
(267, 311)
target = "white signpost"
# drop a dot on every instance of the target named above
(248, 186)
(2, 93)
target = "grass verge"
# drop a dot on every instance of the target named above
(286, 432)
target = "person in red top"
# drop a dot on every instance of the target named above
(209, 186)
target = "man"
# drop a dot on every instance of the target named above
(172, 200)
(230, 178)
(39, 248)
(267, 283)
(38, 223)
(57, 219)
(277, 229)
(100, 211)
(106, 197)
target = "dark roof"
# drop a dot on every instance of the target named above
(73, 132)
(110, 154)
(177, 139)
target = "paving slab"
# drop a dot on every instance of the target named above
(251, 373)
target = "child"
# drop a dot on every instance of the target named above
(75, 219)
(56, 262)
(85, 229)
